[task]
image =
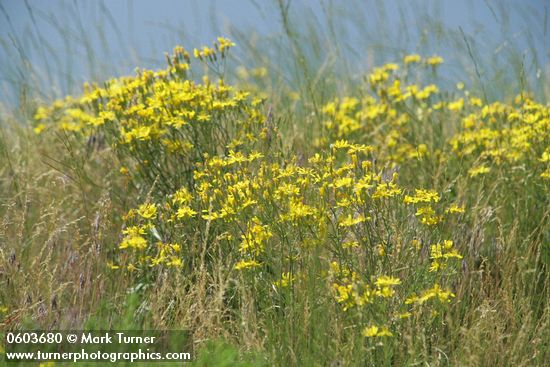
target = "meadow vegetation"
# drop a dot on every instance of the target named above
(396, 219)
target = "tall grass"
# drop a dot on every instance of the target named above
(64, 202)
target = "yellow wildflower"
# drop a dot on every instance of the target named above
(434, 60)
(385, 280)
(286, 279)
(147, 211)
(454, 208)
(479, 170)
(39, 128)
(375, 331)
(185, 212)
(410, 59)
(244, 264)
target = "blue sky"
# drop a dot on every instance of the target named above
(59, 37)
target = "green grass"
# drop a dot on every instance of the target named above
(62, 202)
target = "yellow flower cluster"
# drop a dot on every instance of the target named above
(163, 114)
(220, 47)
(272, 213)
(253, 241)
(499, 134)
(436, 292)
(440, 254)
(386, 116)
(286, 279)
(375, 331)
(207, 149)
(394, 112)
